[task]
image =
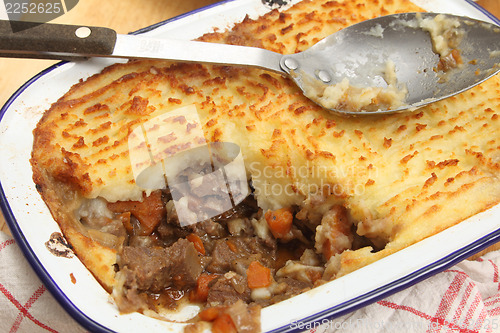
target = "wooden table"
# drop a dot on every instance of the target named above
(123, 16)
(493, 6)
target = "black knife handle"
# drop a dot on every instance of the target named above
(29, 39)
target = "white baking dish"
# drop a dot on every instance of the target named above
(87, 302)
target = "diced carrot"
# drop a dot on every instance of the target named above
(197, 242)
(149, 211)
(258, 276)
(279, 221)
(200, 294)
(223, 324)
(209, 314)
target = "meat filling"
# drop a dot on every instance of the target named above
(242, 259)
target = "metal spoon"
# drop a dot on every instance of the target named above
(360, 55)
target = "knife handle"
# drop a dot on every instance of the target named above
(34, 40)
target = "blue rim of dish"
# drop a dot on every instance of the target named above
(296, 326)
(392, 287)
(484, 11)
(23, 244)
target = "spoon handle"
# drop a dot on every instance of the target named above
(52, 41)
(57, 41)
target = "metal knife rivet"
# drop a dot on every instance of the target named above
(291, 63)
(324, 76)
(83, 32)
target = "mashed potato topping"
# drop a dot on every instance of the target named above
(445, 33)
(346, 97)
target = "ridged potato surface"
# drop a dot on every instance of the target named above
(402, 177)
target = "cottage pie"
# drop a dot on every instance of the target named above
(321, 196)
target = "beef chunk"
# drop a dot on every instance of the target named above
(288, 287)
(170, 228)
(210, 228)
(222, 257)
(154, 269)
(248, 246)
(226, 252)
(170, 233)
(228, 289)
(245, 317)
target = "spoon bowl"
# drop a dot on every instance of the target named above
(402, 41)
(384, 65)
